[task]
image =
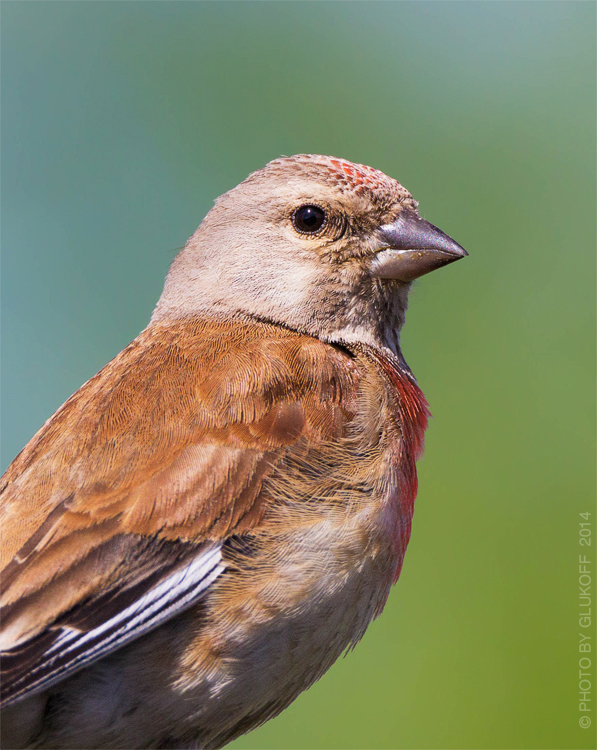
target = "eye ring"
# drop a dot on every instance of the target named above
(309, 219)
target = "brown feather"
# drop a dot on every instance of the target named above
(173, 440)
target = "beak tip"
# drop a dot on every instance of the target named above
(460, 251)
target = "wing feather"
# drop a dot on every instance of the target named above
(68, 646)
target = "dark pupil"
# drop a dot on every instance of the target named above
(309, 218)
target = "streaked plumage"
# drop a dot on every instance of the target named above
(207, 524)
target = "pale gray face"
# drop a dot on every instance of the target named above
(313, 243)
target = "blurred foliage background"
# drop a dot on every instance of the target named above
(123, 121)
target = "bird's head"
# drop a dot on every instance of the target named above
(313, 243)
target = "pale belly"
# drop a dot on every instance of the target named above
(241, 656)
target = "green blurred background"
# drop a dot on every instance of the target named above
(123, 121)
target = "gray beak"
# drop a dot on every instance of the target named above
(412, 247)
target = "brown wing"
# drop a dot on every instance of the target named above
(132, 486)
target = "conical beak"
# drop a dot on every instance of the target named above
(412, 247)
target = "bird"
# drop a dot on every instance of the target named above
(208, 523)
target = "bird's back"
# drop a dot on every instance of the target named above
(292, 457)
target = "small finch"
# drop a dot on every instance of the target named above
(204, 527)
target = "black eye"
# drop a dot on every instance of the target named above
(308, 219)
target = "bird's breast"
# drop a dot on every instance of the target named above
(405, 424)
(321, 564)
